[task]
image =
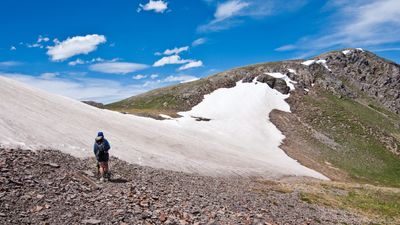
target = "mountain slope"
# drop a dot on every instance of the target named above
(351, 72)
(345, 111)
(229, 144)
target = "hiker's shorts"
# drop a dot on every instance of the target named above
(103, 157)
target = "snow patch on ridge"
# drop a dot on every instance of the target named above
(323, 62)
(319, 61)
(346, 51)
(308, 62)
(290, 83)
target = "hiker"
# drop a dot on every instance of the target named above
(101, 147)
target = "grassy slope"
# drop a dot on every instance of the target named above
(370, 201)
(359, 130)
(164, 100)
(378, 203)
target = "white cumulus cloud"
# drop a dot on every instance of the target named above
(75, 46)
(158, 6)
(117, 67)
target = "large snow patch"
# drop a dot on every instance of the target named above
(238, 140)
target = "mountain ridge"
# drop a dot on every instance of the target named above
(183, 97)
(340, 94)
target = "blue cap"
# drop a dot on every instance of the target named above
(100, 134)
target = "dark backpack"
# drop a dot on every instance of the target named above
(102, 148)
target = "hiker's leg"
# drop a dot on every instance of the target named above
(107, 171)
(102, 169)
(105, 174)
(106, 167)
(98, 169)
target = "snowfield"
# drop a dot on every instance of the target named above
(238, 140)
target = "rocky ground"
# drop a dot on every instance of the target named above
(49, 187)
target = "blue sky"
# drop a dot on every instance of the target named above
(107, 50)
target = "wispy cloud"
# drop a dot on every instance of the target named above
(139, 77)
(173, 59)
(232, 12)
(82, 62)
(176, 50)
(168, 80)
(356, 23)
(229, 9)
(386, 49)
(199, 41)
(39, 43)
(176, 59)
(49, 75)
(81, 88)
(117, 67)
(75, 46)
(224, 11)
(42, 39)
(192, 64)
(180, 79)
(158, 6)
(285, 48)
(6, 64)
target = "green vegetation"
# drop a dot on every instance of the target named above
(363, 134)
(383, 203)
(168, 100)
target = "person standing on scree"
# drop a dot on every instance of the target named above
(101, 147)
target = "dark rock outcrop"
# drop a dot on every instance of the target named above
(367, 74)
(95, 104)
